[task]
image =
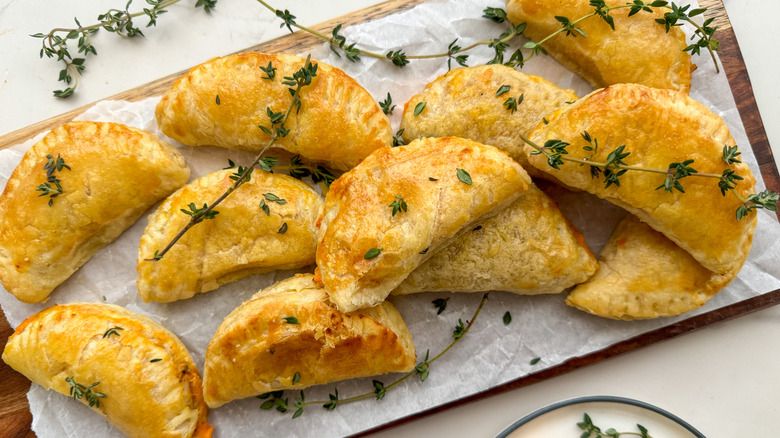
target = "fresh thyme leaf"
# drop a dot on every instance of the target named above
(495, 14)
(511, 103)
(502, 89)
(287, 18)
(730, 154)
(398, 57)
(430, 178)
(270, 71)
(217, 99)
(535, 360)
(419, 108)
(296, 377)
(267, 164)
(207, 5)
(459, 330)
(379, 389)
(507, 318)
(265, 207)
(422, 368)
(398, 205)
(398, 139)
(425, 251)
(273, 198)
(371, 253)
(590, 430)
(200, 214)
(155, 360)
(112, 331)
(77, 390)
(387, 105)
(441, 304)
(334, 400)
(728, 181)
(463, 176)
(283, 228)
(290, 320)
(52, 187)
(674, 174)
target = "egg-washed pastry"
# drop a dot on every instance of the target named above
(474, 103)
(529, 248)
(638, 50)
(389, 214)
(224, 101)
(642, 274)
(101, 178)
(125, 366)
(268, 223)
(290, 336)
(658, 128)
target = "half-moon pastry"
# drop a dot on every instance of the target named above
(642, 274)
(469, 102)
(392, 212)
(290, 336)
(529, 248)
(638, 50)
(109, 175)
(268, 223)
(223, 102)
(125, 366)
(658, 128)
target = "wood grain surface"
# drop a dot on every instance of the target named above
(15, 418)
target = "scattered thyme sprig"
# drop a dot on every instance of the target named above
(277, 130)
(77, 390)
(52, 187)
(118, 21)
(275, 400)
(112, 331)
(589, 430)
(614, 167)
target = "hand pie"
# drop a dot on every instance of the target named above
(114, 174)
(638, 50)
(465, 103)
(266, 224)
(658, 128)
(127, 367)
(528, 248)
(291, 329)
(392, 212)
(642, 274)
(223, 101)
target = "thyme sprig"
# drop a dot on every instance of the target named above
(590, 430)
(52, 187)
(614, 167)
(77, 390)
(277, 130)
(276, 400)
(119, 21)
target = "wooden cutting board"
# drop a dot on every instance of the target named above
(15, 417)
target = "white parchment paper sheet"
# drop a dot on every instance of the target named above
(491, 354)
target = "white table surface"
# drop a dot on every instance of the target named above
(722, 379)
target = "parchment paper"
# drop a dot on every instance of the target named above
(491, 354)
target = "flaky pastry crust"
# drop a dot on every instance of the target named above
(223, 101)
(256, 350)
(116, 173)
(358, 216)
(144, 396)
(241, 240)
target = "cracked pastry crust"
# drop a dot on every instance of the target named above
(221, 103)
(642, 274)
(254, 350)
(639, 50)
(529, 248)
(241, 240)
(463, 103)
(116, 173)
(142, 398)
(358, 217)
(659, 127)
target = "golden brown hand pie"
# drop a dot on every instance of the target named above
(223, 101)
(367, 245)
(290, 336)
(245, 238)
(658, 128)
(150, 385)
(642, 274)
(639, 50)
(463, 103)
(115, 174)
(528, 248)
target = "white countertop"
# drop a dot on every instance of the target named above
(722, 379)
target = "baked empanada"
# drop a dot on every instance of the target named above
(290, 336)
(114, 174)
(658, 128)
(266, 224)
(223, 101)
(126, 366)
(638, 50)
(392, 212)
(529, 248)
(466, 103)
(642, 274)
